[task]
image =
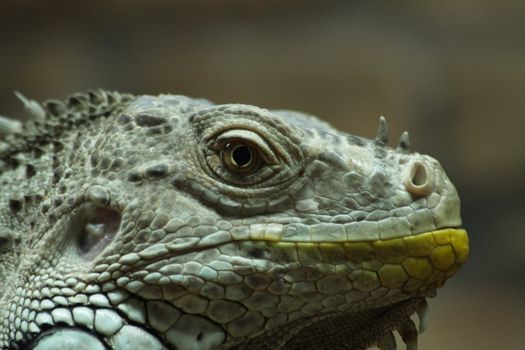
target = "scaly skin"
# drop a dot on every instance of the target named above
(172, 223)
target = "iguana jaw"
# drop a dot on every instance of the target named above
(412, 267)
(410, 262)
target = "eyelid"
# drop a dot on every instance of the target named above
(246, 135)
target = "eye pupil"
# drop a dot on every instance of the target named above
(242, 155)
(240, 158)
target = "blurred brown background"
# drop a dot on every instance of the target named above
(450, 72)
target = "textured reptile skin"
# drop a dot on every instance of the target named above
(165, 222)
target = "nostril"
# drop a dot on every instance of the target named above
(420, 175)
(418, 180)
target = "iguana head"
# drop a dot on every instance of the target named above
(173, 223)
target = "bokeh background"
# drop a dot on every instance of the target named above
(451, 72)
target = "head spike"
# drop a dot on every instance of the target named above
(31, 107)
(404, 143)
(382, 132)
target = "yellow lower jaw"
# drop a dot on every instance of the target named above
(411, 262)
(407, 263)
(429, 257)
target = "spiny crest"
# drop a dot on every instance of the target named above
(88, 103)
(48, 120)
(33, 109)
(9, 126)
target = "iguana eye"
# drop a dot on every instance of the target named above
(241, 157)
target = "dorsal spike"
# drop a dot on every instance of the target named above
(382, 132)
(9, 126)
(31, 107)
(404, 143)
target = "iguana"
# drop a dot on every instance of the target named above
(166, 222)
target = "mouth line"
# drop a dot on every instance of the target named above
(428, 257)
(444, 248)
(390, 250)
(329, 232)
